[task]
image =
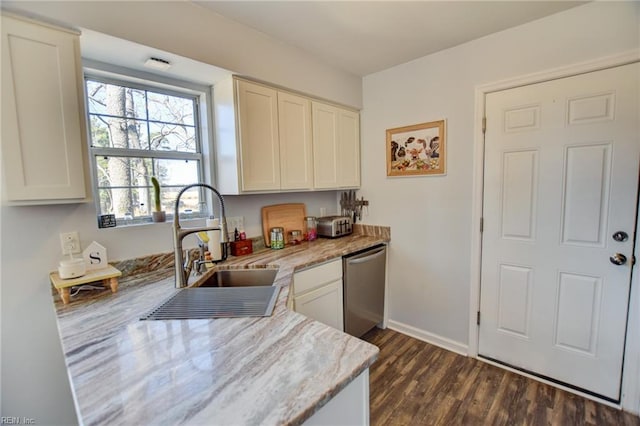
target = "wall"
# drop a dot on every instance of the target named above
(33, 379)
(430, 217)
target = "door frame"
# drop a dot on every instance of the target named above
(630, 398)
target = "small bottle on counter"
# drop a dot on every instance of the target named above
(295, 237)
(277, 238)
(312, 228)
(243, 235)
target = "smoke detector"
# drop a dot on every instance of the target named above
(157, 64)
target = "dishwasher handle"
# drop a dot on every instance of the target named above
(357, 260)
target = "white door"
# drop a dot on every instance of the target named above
(561, 178)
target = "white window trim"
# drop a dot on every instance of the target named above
(161, 84)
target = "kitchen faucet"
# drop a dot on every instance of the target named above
(182, 268)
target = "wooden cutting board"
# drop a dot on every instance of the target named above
(288, 216)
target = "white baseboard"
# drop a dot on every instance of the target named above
(431, 338)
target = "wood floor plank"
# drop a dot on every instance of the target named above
(415, 383)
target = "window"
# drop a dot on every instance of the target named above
(137, 132)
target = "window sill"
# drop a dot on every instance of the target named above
(126, 223)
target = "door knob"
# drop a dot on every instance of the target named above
(618, 259)
(620, 236)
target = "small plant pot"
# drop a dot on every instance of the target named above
(159, 216)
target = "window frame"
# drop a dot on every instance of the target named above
(161, 85)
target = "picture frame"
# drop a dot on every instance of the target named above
(417, 150)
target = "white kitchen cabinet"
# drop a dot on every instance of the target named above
(336, 147)
(296, 156)
(43, 122)
(323, 304)
(258, 136)
(349, 407)
(263, 138)
(317, 293)
(272, 140)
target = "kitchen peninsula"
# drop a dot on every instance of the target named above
(275, 370)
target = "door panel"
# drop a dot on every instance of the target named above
(519, 194)
(586, 191)
(561, 175)
(577, 318)
(514, 304)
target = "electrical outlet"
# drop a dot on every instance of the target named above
(70, 242)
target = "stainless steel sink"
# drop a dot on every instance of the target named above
(230, 293)
(240, 278)
(208, 303)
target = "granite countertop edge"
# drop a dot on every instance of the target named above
(103, 352)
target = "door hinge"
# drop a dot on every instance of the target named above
(481, 225)
(484, 125)
(478, 318)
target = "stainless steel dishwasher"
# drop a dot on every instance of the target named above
(363, 280)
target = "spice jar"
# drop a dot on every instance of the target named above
(312, 228)
(277, 238)
(295, 237)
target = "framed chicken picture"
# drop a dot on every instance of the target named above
(416, 150)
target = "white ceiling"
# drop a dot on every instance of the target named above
(360, 37)
(363, 37)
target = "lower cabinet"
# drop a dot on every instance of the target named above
(323, 304)
(349, 407)
(317, 293)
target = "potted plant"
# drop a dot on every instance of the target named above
(158, 215)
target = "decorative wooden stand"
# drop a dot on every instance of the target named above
(108, 276)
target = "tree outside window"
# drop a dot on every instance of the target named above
(138, 132)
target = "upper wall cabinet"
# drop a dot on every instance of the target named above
(258, 137)
(264, 141)
(296, 156)
(43, 123)
(336, 147)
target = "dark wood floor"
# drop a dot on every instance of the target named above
(415, 383)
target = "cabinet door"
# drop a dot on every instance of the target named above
(325, 145)
(42, 115)
(323, 304)
(348, 160)
(258, 135)
(296, 162)
(336, 147)
(317, 276)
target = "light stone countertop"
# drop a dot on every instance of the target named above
(229, 371)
